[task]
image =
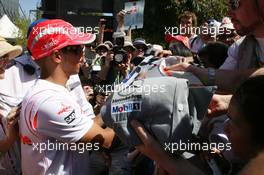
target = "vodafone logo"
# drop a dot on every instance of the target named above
(126, 107)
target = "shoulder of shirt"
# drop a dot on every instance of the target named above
(236, 44)
(26, 59)
(240, 40)
(42, 88)
(73, 79)
(73, 82)
(193, 37)
(23, 59)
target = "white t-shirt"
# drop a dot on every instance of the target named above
(12, 91)
(196, 43)
(231, 61)
(50, 116)
(75, 87)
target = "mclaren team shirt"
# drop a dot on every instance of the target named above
(51, 124)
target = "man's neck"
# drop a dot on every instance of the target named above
(60, 81)
(57, 77)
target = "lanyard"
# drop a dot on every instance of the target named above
(145, 65)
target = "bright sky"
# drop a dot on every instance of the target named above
(27, 5)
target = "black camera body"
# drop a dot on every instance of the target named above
(120, 55)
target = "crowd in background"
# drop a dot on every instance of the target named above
(226, 57)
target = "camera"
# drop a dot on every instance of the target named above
(120, 55)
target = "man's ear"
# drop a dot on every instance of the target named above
(56, 56)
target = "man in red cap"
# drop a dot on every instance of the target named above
(55, 134)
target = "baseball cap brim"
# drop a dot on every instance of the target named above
(184, 40)
(140, 43)
(83, 38)
(12, 51)
(102, 46)
(129, 44)
(228, 26)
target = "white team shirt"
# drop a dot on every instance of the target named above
(75, 87)
(12, 91)
(50, 115)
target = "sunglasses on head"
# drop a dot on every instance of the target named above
(77, 50)
(234, 4)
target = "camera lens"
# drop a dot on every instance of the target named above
(119, 58)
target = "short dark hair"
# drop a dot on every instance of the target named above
(250, 100)
(187, 15)
(215, 53)
(179, 49)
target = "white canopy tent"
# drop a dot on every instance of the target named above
(8, 29)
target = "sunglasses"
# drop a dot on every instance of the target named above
(77, 50)
(142, 47)
(234, 4)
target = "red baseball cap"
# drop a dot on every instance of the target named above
(54, 34)
(183, 39)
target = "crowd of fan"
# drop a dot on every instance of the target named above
(103, 66)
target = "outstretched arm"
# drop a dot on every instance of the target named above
(152, 149)
(226, 80)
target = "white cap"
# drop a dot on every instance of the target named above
(226, 23)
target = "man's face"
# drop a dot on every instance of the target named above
(243, 15)
(102, 51)
(130, 52)
(239, 132)
(186, 24)
(73, 58)
(139, 50)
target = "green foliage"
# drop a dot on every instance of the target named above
(22, 23)
(164, 13)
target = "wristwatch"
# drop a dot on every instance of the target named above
(211, 76)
